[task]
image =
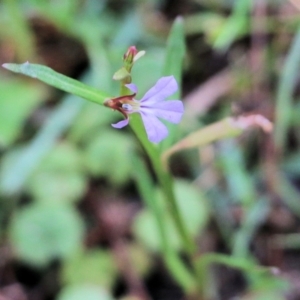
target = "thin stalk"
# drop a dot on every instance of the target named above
(178, 269)
(166, 183)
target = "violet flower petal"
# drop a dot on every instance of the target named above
(155, 129)
(121, 124)
(164, 87)
(171, 110)
(132, 87)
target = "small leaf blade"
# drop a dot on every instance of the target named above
(58, 80)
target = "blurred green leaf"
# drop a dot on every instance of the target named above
(175, 53)
(88, 123)
(108, 154)
(240, 184)
(131, 29)
(90, 267)
(173, 65)
(15, 27)
(62, 12)
(150, 64)
(268, 287)
(40, 233)
(91, 33)
(208, 23)
(84, 292)
(292, 165)
(17, 172)
(145, 222)
(59, 177)
(18, 100)
(194, 211)
(284, 96)
(237, 25)
(289, 193)
(253, 218)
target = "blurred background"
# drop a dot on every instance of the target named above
(73, 221)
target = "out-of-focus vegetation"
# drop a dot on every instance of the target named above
(76, 195)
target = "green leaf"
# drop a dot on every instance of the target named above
(173, 66)
(88, 123)
(292, 165)
(236, 25)
(40, 233)
(18, 100)
(231, 163)
(84, 291)
(91, 267)
(121, 74)
(254, 217)
(150, 64)
(175, 53)
(14, 177)
(59, 177)
(16, 24)
(284, 97)
(59, 81)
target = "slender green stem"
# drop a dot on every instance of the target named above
(176, 266)
(166, 183)
(186, 278)
(171, 257)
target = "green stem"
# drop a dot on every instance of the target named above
(189, 281)
(177, 268)
(166, 183)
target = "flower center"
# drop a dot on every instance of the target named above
(130, 106)
(127, 107)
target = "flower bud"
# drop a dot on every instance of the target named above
(130, 54)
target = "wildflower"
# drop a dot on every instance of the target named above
(151, 107)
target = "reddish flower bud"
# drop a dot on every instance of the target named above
(130, 54)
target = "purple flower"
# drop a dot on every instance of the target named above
(151, 107)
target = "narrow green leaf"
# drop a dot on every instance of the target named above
(254, 217)
(287, 83)
(173, 66)
(232, 164)
(59, 81)
(243, 264)
(175, 52)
